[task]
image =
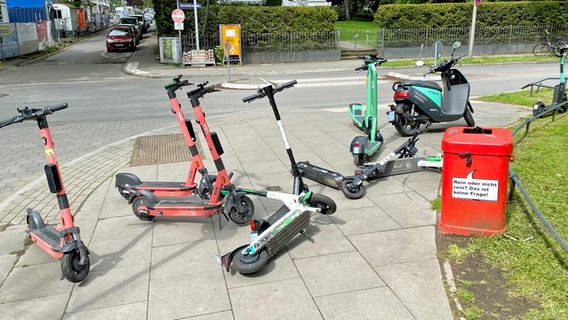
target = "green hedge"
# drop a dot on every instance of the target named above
(443, 15)
(253, 19)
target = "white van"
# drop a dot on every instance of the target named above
(66, 21)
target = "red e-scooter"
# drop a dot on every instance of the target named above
(62, 241)
(128, 182)
(206, 201)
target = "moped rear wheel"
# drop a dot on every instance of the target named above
(247, 264)
(405, 127)
(358, 159)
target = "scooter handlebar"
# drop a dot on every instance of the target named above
(29, 114)
(262, 92)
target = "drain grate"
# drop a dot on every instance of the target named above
(161, 149)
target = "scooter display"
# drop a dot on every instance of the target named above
(208, 201)
(62, 241)
(362, 147)
(126, 183)
(425, 102)
(559, 101)
(269, 236)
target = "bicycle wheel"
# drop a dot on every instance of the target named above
(541, 49)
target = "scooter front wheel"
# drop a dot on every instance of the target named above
(468, 116)
(141, 201)
(243, 212)
(247, 264)
(326, 205)
(71, 269)
(350, 190)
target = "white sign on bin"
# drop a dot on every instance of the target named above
(475, 189)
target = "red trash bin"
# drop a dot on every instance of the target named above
(474, 180)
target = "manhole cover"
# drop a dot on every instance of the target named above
(161, 149)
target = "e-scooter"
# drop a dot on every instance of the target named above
(352, 187)
(128, 182)
(362, 147)
(419, 102)
(238, 207)
(559, 101)
(269, 236)
(62, 241)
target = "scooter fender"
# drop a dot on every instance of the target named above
(227, 259)
(358, 145)
(126, 179)
(142, 193)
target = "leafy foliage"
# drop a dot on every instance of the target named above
(442, 15)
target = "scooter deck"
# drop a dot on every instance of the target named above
(394, 167)
(278, 237)
(321, 175)
(48, 234)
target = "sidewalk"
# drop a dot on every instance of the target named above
(375, 258)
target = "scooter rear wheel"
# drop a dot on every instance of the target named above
(244, 211)
(350, 190)
(247, 264)
(141, 201)
(358, 159)
(121, 191)
(71, 269)
(326, 204)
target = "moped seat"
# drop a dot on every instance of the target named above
(422, 83)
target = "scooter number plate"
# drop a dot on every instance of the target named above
(391, 116)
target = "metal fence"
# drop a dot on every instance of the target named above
(381, 39)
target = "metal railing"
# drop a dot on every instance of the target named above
(380, 39)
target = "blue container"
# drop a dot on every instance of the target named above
(24, 15)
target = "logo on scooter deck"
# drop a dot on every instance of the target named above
(261, 242)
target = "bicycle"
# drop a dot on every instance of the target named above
(545, 47)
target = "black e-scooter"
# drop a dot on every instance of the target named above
(271, 235)
(424, 102)
(62, 241)
(559, 101)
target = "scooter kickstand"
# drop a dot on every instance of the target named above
(304, 233)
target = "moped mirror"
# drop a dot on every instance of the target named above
(419, 63)
(457, 45)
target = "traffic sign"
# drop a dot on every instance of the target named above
(183, 5)
(178, 15)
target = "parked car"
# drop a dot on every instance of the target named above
(142, 22)
(132, 21)
(121, 38)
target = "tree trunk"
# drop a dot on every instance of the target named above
(347, 15)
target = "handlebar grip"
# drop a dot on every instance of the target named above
(285, 85)
(52, 109)
(253, 97)
(360, 68)
(6, 122)
(210, 89)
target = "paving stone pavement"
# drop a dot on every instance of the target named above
(375, 258)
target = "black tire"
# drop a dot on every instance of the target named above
(326, 204)
(541, 49)
(358, 159)
(250, 263)
(350, 191)
(244, 217)
(71, 269)
(140, 201)
(121, 192)
(468, 117)
(404, 127)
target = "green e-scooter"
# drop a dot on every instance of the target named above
(362, 147)
(559, 100)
